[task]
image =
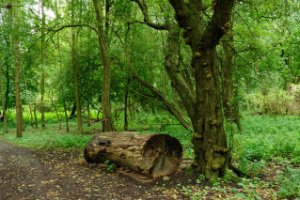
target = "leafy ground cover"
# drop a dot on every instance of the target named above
(267, 151)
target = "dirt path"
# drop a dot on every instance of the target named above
(26, 174)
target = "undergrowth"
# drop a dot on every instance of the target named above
(264, 140)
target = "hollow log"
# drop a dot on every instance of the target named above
(151, 154)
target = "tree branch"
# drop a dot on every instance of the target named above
(171, 107)
(219, 23)
(172, 65)
(71, 26)
(143, 7)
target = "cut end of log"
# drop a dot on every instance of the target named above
(163, 154)
(157, 155)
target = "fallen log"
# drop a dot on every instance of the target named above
(151, 154)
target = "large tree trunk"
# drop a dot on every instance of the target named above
(43, 56)
(209, 139)
(107, 122)
(75, 73)
(152, 154)
(230, 104)
(17, 72)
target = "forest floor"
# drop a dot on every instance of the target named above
(57, 174)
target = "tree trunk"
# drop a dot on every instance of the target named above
(61, 69)
(152, 154)
(75, 72)
(66, 113)
(55, 109)
(107, 122)
(209, 139)
(3, 100)
(31, 116)
(17, 72)
(230, 105)
(35, 116)
(89, 113)
(43, 56)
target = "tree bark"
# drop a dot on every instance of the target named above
(107, 122)
(152, 154)
(230, 105)
(209, 139)
(17, 71)
(75, 73)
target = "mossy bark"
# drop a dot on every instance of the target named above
(209, 139)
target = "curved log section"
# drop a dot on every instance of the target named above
(152, 154)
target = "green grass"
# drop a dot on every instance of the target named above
(48, 139)
(267, 138)
(263, 137)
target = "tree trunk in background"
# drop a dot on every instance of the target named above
(73, 111)
(31, 116)
(43, 59)
(126, 105)
(3, 100)
(66, 111)
(7, 89)
(61, 70)
(230, 105)
(75, 72)
(17, 71)
(55, 109)
(89, 113)
(35, 116)
(107, 122)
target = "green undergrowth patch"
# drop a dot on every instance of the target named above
(266, 138)
(48, 139)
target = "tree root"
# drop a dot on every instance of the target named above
(238, 171)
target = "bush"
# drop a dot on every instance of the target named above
(274, 101)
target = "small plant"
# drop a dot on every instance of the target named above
(200, 179)
(110, 166)
(289, 183)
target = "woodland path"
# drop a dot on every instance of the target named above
(32, 174)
